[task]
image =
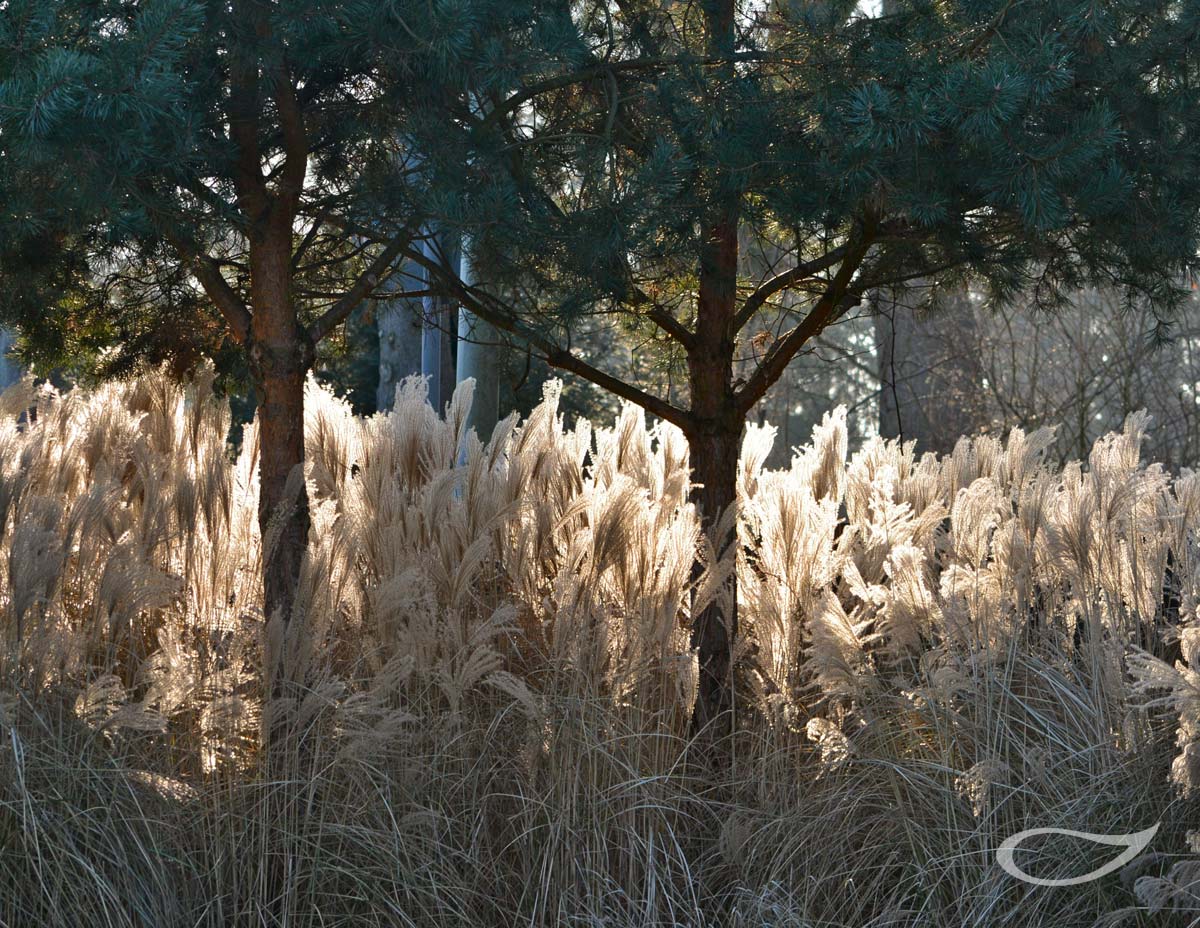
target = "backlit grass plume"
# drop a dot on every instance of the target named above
(496, 675)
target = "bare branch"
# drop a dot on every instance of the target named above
(832, 302)
(504, 318)
(672, 326)
(783, 281)
(208, 272)
(378, 271)
(565, 360)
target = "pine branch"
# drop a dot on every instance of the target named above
(989, 31)
(672, 326)
(208, 272)
(783, 281)
(613, 68)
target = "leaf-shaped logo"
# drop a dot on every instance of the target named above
(1134, 844)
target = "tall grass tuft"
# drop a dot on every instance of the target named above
(935, 654)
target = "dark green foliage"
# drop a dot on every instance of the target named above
(1040, 144)
(1028, 145)
(118, 161)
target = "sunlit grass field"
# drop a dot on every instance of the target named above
(497, 680)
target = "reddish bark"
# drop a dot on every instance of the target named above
(714, 453)
(280, 357)
(715, 422)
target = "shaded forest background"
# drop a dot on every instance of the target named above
(909, 365)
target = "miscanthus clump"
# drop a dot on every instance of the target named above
(497, 678)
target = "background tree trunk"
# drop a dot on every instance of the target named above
(10, 370)
(930, 384)
(478, 358)
(439, 345)
(400, 337)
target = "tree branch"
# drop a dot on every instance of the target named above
(989, 31)
(672, 326)
(378, 271)
(612, 68)
(206, 270)
(295, 136)
(563, 360)
(243, 112)
(489, 309)
(826, 308)
(782, 281)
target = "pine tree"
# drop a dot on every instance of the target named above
(188, 177)
(1026, 146)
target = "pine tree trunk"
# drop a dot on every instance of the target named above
(280, 358)
(283, 518)
(282, 510)
(714, 455)
(715, 431)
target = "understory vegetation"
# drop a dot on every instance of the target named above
(934, 654)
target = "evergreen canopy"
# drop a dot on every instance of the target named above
(1027, 146)
(1032, 146)
(140, 143)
